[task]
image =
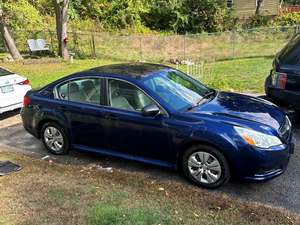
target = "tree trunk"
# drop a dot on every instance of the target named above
(258, 7)
(58, 27)
(8, 39)
(64, 30)
(61, 15)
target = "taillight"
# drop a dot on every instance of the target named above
(26, 101)
(25, 82)
(280, 80)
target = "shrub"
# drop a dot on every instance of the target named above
(20, 15)
(288, 19)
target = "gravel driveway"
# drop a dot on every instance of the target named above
(283, 191)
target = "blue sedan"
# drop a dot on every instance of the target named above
(159, 115)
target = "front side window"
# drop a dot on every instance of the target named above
(87, 90)
(123, 95)
(175, 88)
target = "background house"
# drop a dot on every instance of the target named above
(246, 8)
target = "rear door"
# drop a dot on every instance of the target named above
(81, 104)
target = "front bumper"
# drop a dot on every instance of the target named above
(270, 164)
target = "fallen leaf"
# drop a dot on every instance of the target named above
(196, 215)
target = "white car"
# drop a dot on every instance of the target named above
(13, 88)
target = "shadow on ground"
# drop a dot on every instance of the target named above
(7, 115)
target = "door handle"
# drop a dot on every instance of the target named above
(112, 117)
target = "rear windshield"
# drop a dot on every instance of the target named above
(4, 72)
(290, 54)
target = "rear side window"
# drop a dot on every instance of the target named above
(4, 72)
(290, 54)
(87, 90)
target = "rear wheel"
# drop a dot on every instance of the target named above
(205, 166)
(55, 139)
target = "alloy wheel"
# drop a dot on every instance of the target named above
(53, 139)
(204, 167)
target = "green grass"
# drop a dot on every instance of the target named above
(241, 75)
(108, 214)
(42, 74)
(115, 209)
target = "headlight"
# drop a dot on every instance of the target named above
(258, 139)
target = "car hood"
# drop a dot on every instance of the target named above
(243, 107)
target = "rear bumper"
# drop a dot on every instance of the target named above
(28, 124)
(286, 96)
(11, 107)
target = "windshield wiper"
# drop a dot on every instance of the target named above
(210, 93)
(207, 95)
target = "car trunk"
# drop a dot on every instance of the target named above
(11, 89)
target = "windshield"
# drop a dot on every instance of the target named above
(4, 72)
(175, 88)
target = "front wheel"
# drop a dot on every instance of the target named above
(205, 166)
(55, 139)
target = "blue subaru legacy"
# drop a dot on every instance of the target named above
(159, 115)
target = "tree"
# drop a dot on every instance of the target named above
(8, 39)
(291, 2)
(61, 16)
(165, 15)
(208, 16)
(258, 6)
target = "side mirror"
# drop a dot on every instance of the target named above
(150, 110)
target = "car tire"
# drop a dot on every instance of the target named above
(55, 138)
(211, 167)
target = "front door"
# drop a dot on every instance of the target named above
(130, 131)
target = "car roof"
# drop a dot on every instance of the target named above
(134, 70)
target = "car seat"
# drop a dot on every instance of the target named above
(89, 88)
(75, 94)
(116, 100)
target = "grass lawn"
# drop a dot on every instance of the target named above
(241, 75)
(49, 193)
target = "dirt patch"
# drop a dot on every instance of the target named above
(48, 193)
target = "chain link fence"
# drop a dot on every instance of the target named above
(165, 48)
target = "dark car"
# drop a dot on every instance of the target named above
(156, 114)
(283, 83)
